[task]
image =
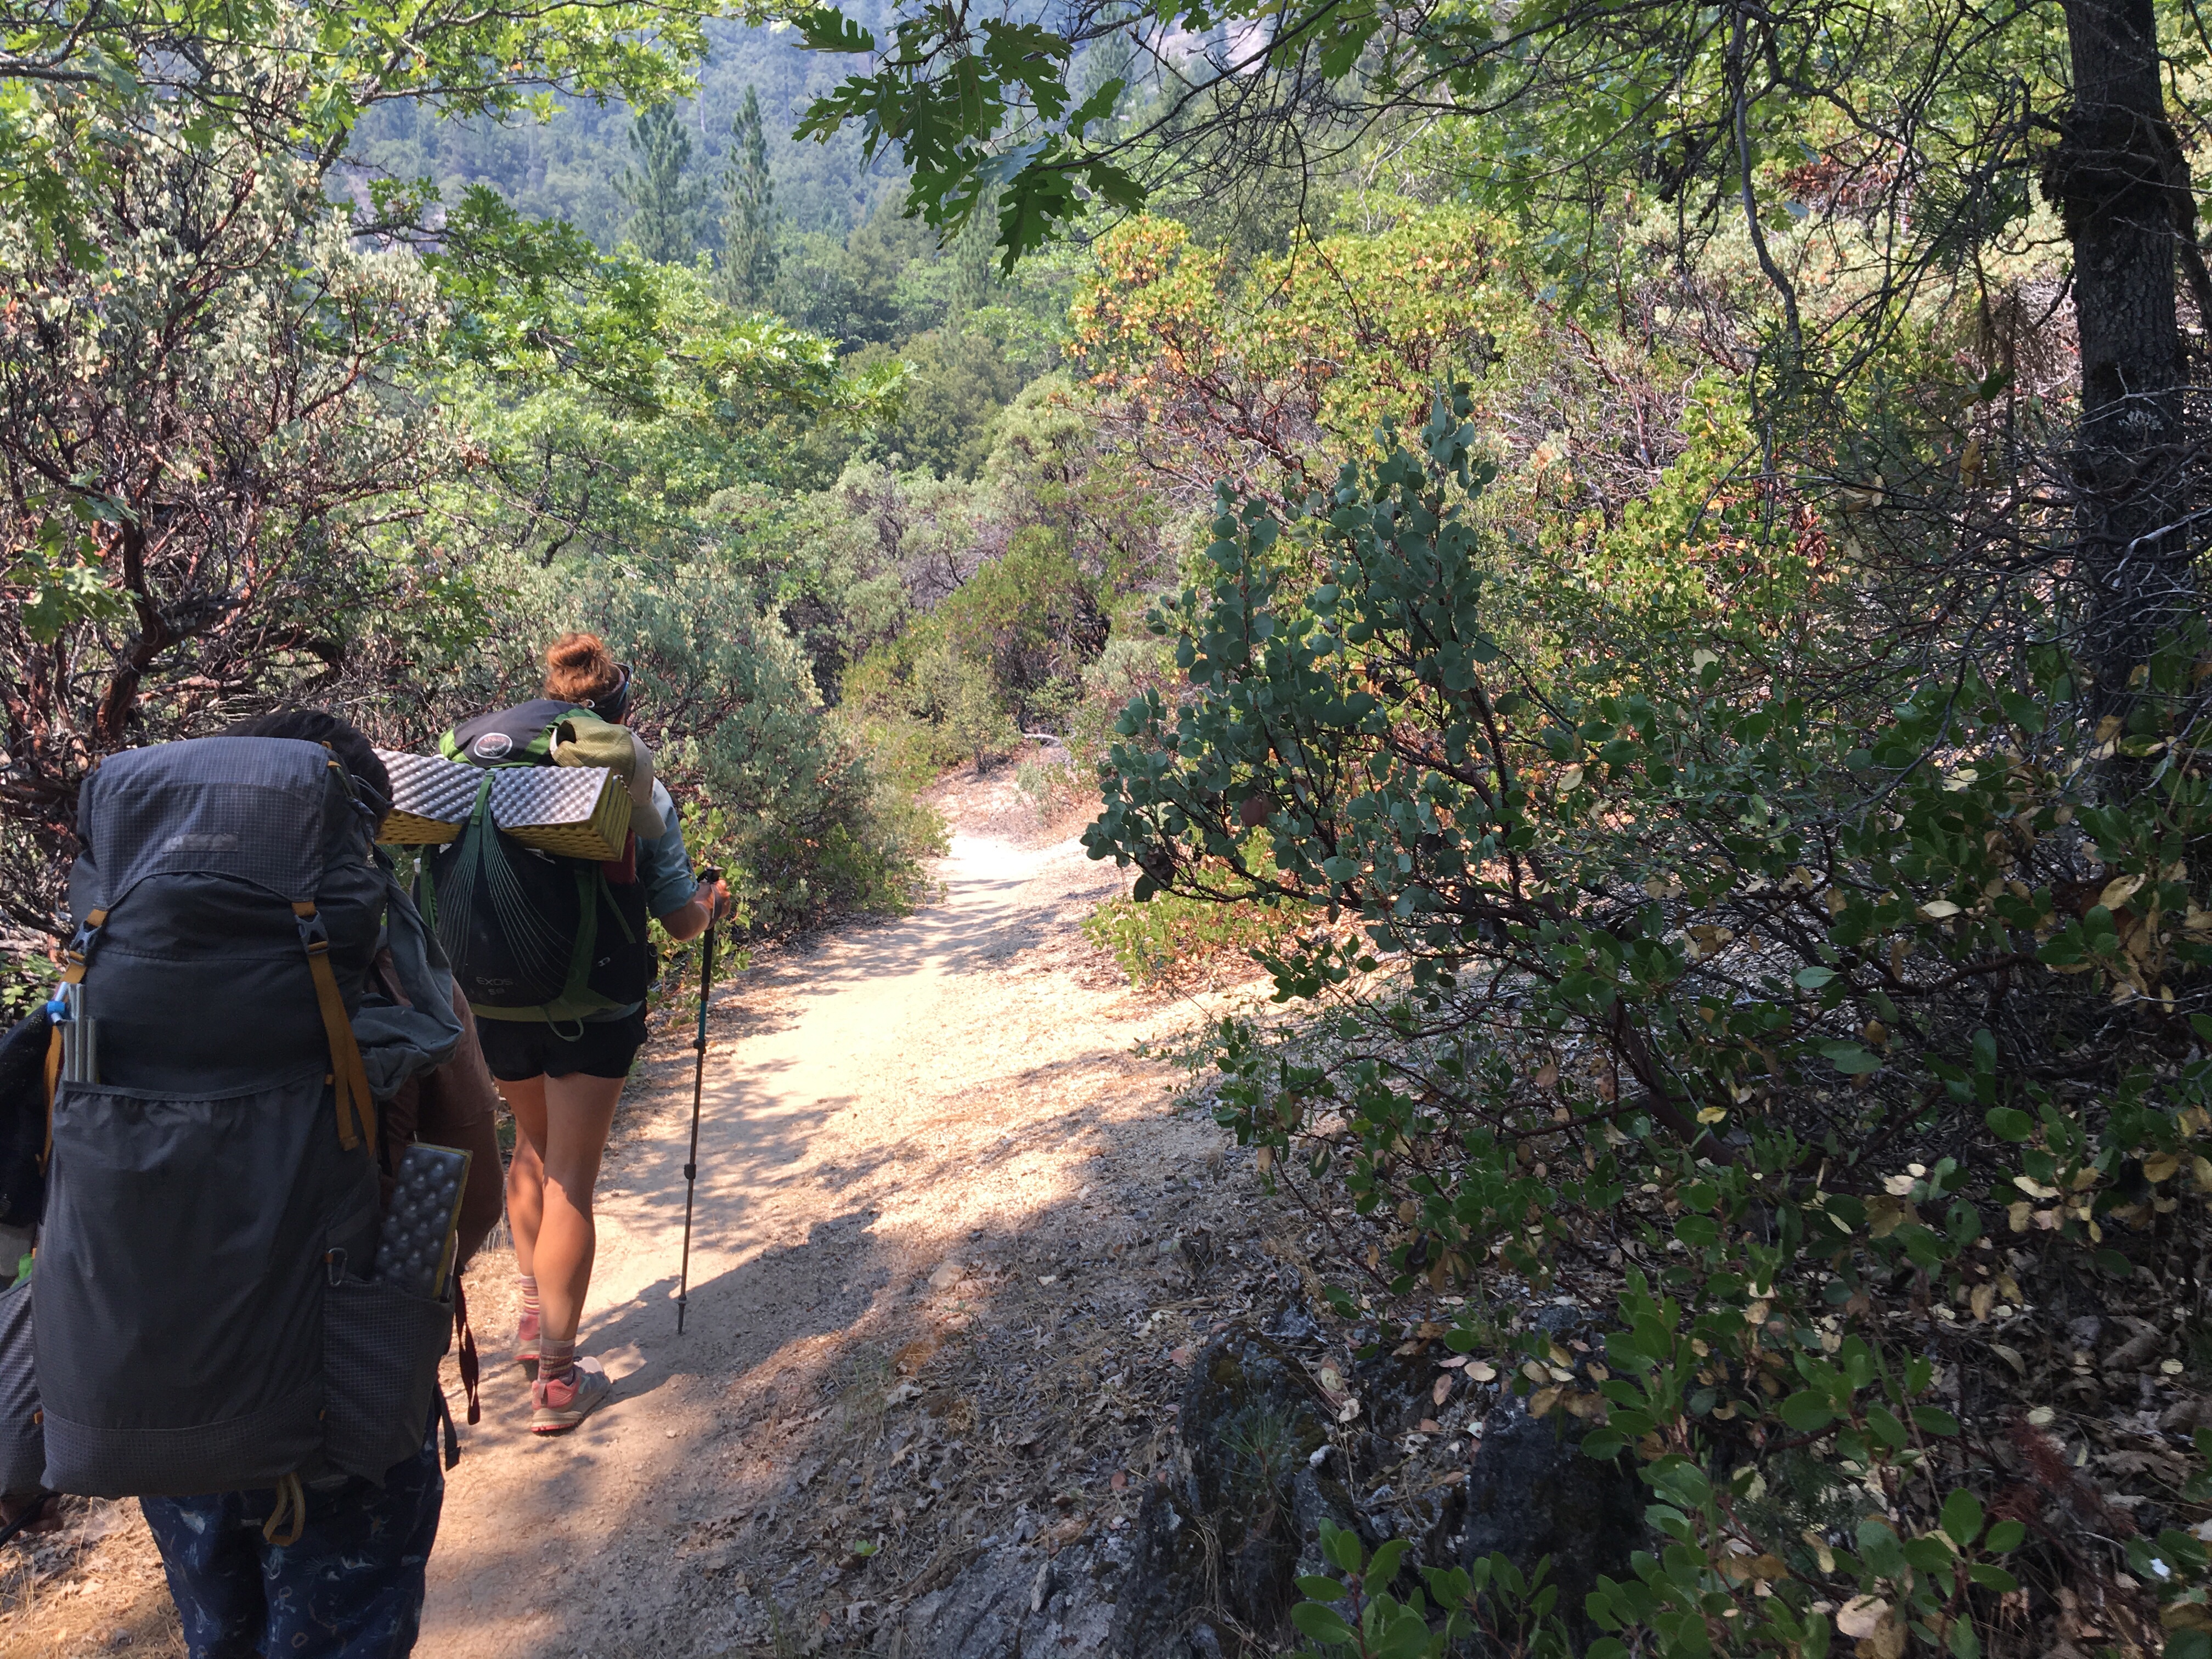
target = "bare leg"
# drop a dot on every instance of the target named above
(525, 1169)
(562, 1123)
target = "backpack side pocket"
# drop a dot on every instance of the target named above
(380, 1351)
(22, 1440)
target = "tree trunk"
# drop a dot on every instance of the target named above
(2118, 178)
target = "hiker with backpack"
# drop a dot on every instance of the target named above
(254, 1027)
(562, 1019)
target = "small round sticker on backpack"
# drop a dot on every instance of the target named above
(493, 745)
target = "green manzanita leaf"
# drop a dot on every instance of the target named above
(1323, 1624)
(1807, 1412)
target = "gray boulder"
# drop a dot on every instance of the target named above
(1014, 1603)
(1531, 1493)
(1223, 1534)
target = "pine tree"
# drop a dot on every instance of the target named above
(974, 253)
(665, 223)
(749, 218)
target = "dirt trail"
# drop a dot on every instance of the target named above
(927, 1148)
(866, 1105)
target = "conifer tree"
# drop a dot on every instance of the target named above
(665, 224)
(749, 216)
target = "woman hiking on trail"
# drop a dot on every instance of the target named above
(562, 1080)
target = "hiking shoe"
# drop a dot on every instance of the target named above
(526, 1345)
(562, 1404)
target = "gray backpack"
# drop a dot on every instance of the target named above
(204, 1320)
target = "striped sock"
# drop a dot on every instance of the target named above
(528, 1282)
(556, 1360)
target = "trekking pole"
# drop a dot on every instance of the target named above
(698, 1083)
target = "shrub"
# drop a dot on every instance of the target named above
(1001, 654)
(1841, 1044)
(1171, 938)
(27, 979)
(778, 792)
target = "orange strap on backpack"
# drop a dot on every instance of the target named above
(73, 972)
(357, 1110)
(53, 1084)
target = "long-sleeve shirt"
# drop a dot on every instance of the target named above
(664, 867)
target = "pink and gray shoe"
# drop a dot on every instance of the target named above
(561, 1403)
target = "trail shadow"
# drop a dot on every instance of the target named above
(735, 1321)
(841, 1385)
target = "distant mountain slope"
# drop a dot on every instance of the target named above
(568, 168)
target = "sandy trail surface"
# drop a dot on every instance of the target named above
(937, 1182)
(859, 1119)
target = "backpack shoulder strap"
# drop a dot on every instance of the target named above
(356, 1109)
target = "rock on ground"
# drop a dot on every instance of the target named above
(1221, 1536)
(1532, 1494)
(1018, 1604)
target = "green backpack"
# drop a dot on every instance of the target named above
(533, 935)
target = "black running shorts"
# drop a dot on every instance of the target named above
(520, 1049)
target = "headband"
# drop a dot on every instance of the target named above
(610, 705)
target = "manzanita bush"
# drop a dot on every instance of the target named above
(1842, 1047)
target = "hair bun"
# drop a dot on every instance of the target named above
(579, 668)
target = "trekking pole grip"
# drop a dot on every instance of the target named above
(708, 877)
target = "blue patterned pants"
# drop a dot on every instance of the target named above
(351, 1588)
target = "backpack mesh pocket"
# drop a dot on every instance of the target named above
(380, 1352)
(180, 1281)
(22, 1444)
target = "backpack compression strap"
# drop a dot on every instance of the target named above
(357, 1110)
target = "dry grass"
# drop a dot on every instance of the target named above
(95, 1587)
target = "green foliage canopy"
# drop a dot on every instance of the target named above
(611, 398)
(263, 444)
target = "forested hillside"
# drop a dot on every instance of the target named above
(1643, 559)
(824, 244)
(570, 167)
